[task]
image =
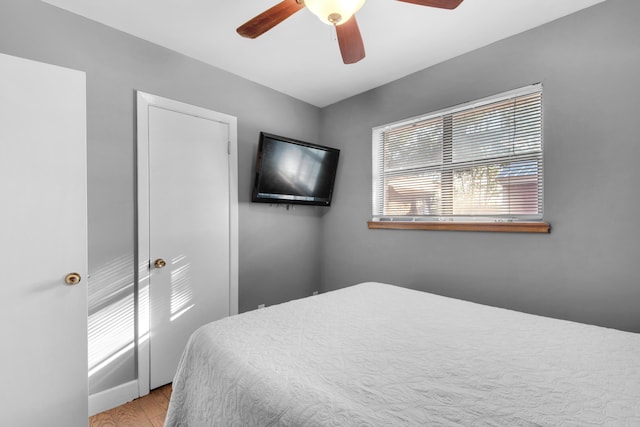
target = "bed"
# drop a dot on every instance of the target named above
(375, 354)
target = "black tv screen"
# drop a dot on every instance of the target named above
(290, 171)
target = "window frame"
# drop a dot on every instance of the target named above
(513, 223)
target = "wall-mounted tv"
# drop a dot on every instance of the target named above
(294, 172)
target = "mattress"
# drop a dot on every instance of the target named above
(374, 354)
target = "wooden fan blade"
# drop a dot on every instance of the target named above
(269, 18)
(442, 4)
(350, 41)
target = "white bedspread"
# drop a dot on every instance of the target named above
(381, 355)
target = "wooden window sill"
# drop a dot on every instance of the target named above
(504, 227)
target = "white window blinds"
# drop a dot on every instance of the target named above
(480, 161)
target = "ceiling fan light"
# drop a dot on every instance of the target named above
(334, 12)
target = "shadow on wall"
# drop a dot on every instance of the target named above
(112, 318)
(111, 323)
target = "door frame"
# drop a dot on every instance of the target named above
(144, 102)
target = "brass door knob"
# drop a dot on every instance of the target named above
(159, 263)
(72, 279)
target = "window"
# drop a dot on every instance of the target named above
(480, 162)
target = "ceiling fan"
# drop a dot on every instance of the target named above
(339, 13)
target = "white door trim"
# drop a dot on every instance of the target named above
(144, 102)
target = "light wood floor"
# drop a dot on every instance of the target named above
(147, 411)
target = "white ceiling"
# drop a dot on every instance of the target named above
(300, 57)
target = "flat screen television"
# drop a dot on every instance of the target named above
(289, 171)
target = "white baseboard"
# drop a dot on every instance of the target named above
(116, 396)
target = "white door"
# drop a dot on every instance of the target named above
(43, 237)
(189, 230)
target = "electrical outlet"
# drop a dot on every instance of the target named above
(315, 293)
(261, 306)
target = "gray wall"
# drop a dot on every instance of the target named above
(588, 268)
(278, 248)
